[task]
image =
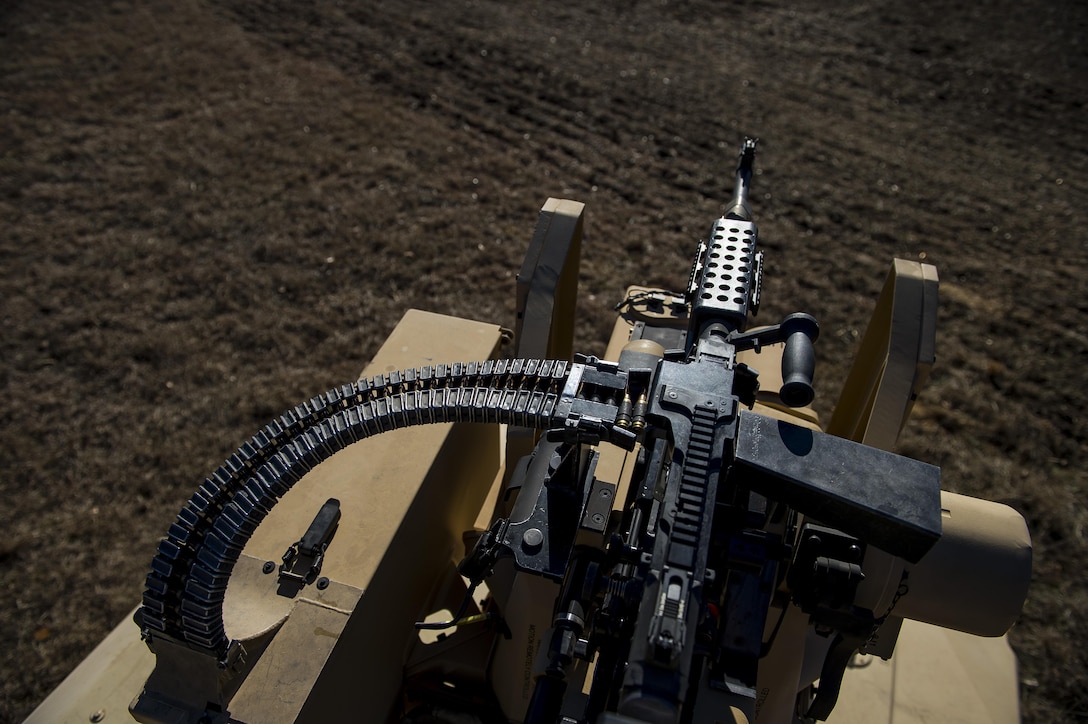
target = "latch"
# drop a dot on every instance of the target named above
(302, 561)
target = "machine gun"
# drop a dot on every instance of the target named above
(730, 515)
(669, 540)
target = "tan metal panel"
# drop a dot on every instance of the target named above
(894, 360)
(936, 675)
(277, 687)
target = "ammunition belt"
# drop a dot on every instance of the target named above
(185, 589)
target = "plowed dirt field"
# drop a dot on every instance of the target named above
(211, 210)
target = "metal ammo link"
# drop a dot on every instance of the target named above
(186, 586)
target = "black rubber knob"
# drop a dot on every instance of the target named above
(798, 360)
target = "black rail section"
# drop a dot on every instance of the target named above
(185, 589)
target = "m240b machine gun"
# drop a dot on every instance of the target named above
(662, 535)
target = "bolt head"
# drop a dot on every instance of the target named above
(532, 539)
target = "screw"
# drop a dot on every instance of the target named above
(322, 583)
(268, 567)
(532, 539)
(598, 518)
(98, 715)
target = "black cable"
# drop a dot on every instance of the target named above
(457, 617)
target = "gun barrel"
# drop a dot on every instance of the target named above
(725, 279)
(739, 209)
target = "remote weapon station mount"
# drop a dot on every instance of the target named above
(663, 535)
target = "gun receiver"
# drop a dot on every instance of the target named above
(712, 520)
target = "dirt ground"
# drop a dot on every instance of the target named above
(211, 210)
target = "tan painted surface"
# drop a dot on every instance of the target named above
(281, 680)
(937, 676)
